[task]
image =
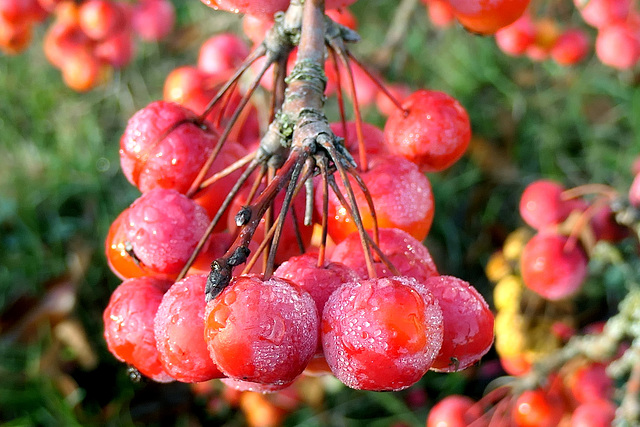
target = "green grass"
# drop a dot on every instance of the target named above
(60, 187)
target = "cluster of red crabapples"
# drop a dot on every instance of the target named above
(540, 36)
(582, 395)
(86, 39)
(560, 376)
(368, 307)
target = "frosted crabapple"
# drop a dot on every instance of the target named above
(433, 131)
(467, 323)
(407, 254)
(319, 281)
(164, 227)
(128, 324)
(402, 197)
(262, 331)
(368, 346)
(179, 332)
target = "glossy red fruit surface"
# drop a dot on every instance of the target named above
(221, 54)
(571, 47)
(618, 46)
(601, 13)
(153, 20)
(179, 332)
(433, 133)
(128, 324)
(487, 16)
(405, 252)
(262, 331)
(537, 408)
(594, 414)
(401, 195)
(162, 148)
(262, 7)
(454, 411)
(100, 19)
(164, 228)
(468, 323)
(542, 204)
(368, 345)
(551, 268)
(516, 38)
(321, 281)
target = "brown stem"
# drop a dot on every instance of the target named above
(301, 158)
(229, 170)
(362, 154)
(225, 134)
(216, 219)
(222, 268)
(378, 83)
(253, 56)
(336, 66)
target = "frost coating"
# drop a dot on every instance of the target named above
(179, 332)
(128, 325)
(164, 228)
(381, 334)
(262, 331)
(406, 253)
(151, 158)
(468, 323)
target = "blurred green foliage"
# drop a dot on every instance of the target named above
(60, 187)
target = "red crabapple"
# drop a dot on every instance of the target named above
(179, 332)
(405, 252)
(590, 383)
(263, 331)
(454, 411)
(162, 147)
(221, 54)
(255, 387)
(440, 13)
(373, 138)
(487, 16)
(164, 228)
(516, 38)
(618, 46)
(600, 413)
(602, 13)
(542, 204)
(128, 324)
(433, 133)
(116, 50)
(320, 282)
(100, 19)
(368, 345)
(537, 408)
(552, 269)
(467, 323)
(153, 20)
(571, 47)
(401, 195)
(634, 191)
